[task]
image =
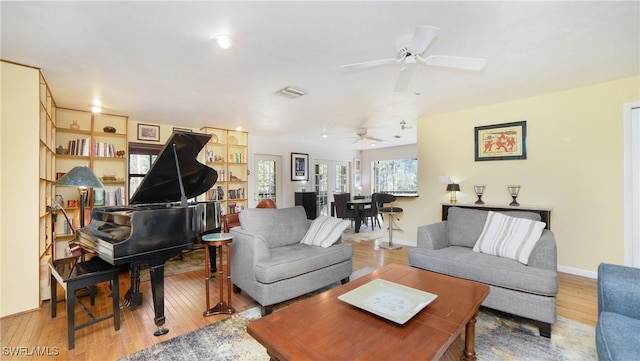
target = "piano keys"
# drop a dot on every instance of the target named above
(159, 222)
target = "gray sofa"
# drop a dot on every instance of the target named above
(270, 264)
(528, 291)
(618, 327)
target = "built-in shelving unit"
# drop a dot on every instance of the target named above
(46, 179)
(98, 141)
(226, 152)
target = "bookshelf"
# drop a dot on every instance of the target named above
(98, 141)
(226, 152)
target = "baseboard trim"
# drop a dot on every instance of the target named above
(578, 272)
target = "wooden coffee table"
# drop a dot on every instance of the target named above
(326, 328)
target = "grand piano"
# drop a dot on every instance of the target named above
(159, 222)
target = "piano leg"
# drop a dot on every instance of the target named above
(133, 297)
(157, 289)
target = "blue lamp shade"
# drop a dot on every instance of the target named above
(81, 177)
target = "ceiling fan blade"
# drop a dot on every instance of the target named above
(368, 64)
(422, 37)
(458, 62)
(403, 77)
(373, 139)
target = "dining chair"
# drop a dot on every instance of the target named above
(342, 208)
(372, 213)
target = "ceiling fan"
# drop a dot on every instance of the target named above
(403, 125)
(409, 54)
(362, 135)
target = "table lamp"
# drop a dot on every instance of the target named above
(83, 178)
(453, 188)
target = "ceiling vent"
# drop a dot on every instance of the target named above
(290, 92)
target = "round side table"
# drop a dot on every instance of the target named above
(219, 240)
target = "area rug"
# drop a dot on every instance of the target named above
(190, 261)
(498, 337)
(363, 236)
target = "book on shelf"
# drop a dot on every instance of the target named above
(98, 197)
(79, 147)
(102, 149)
(114, 197)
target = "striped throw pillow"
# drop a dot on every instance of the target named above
(325, 231)
(509, 237)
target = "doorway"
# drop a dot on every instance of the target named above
(268, 182)
(331, 177)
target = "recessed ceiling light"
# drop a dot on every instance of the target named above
(224, 41)
(324, 135)
(96, 109)
(239, 128)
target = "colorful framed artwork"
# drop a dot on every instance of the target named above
(501, 141)
(149, 132)
(299, 167)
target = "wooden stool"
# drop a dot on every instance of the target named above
(73, 275)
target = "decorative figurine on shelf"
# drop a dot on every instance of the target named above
(109, 129)
(479, 188)
(514, 190)
(120, 153)
(74, 125)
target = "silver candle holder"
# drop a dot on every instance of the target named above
(514, 190)
(479, 188)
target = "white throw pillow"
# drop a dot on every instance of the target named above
(325, 231)
(509, 237)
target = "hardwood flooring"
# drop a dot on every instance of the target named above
(24, 336)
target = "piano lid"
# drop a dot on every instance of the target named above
(161, 184)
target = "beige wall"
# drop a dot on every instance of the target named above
(574, 165)
(19, 189)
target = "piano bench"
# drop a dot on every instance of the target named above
(72, 276)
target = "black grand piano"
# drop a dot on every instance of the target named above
(159, 222)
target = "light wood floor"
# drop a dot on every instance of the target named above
(184, 304)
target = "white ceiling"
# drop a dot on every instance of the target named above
(156, 62)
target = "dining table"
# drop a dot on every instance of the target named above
(359, 206)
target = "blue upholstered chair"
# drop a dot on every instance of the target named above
(618, 327)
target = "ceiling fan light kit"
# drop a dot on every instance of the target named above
(412, 53)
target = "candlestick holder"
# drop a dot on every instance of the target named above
(479, 188)
(514, 190)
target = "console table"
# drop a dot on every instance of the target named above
(544, 212)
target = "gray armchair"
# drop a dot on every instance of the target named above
(618, 327)
(270, 264)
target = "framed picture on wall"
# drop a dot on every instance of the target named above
(357, 165)
(149, 132)
(299, 167)
(501, 141)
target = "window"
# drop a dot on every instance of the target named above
(267, 178)
(141, 157)
(397, 176)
